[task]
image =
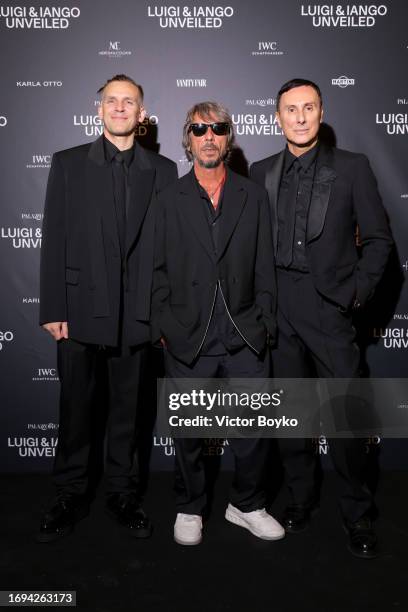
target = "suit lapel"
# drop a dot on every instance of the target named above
(101, 218)
(234, 200)
(193, 210)
(322, 186)
(272, 183)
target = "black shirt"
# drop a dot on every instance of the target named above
(293, 206)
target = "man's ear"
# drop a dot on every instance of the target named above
(100, 111)
(142, 114)
(278, 119)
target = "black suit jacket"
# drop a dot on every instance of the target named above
(81, 267)
(187, 272)
(344, 196)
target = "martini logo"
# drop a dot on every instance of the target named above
(269, 47)
(5, 338)
(114, 50)
(38, 17)
(191, 17)
(3, 121)
(39, 160)
(338, 16)
(394, 123)
(343, 82)
(22, 237)
(256, 125)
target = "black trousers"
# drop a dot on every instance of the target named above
(247, 491)
(80, 367)
(316, 338)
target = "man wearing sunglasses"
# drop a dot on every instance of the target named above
(213, 307)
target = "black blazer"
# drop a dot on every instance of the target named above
(344, 196)
(80, 255)
(186, 270)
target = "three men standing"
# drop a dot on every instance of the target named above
(96, 274)
(319, 196)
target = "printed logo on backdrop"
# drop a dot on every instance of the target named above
(22, 237)
(45, 375)
(191, 82)
(192, 17)
(247, 124)
(405, 266)
(39, 160)
(267, 47)
(38, 83)
(38, 17)
(6, 337)
(34, 446)
(322, 447)
(348, 16)
(402, 100)
(213, 447)
(260, 102)
(395, 336)
(30, 300)
(3, 121)
(30, 216)
(393, 123)
(343, 82)
(114, 50)
(92, 125)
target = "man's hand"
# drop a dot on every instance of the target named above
(57, 330)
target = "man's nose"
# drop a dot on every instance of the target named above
(209, 135)
(301, 117)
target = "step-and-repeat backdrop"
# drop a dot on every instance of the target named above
(55, 55)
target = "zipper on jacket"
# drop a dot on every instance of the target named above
(233, 322)
(208, 323)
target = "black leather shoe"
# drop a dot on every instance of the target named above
(362, 539)
(296, 518)
(59, 519)
(126, 510)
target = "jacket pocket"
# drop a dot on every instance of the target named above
(72, 276)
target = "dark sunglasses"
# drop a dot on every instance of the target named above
(219, 129)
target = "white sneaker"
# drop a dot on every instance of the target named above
(187, 529)
(258, 522)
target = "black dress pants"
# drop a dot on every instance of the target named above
(316, 338)
(247, 491)
(79, 368)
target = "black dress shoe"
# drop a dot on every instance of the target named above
(296, 518)
(362, 539)
(126, 510)
(59, 519)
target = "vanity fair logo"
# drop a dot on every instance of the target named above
(343, 16)
(3, 121)
(39, 160)
(269, 47)
(191, 82)
(343, 81)
(22, 237)
(191, 17)
(92, 125)
(38, 83)
(114, 50)
(5, 338)
(392, 337)
(394, 123)
(252, 124)
(38, 17)
(402, 100)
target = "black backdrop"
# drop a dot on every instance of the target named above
(55, 56)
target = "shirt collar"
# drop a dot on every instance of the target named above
(111, 150)
(306, 160)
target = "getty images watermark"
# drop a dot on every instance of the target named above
(282, 408)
